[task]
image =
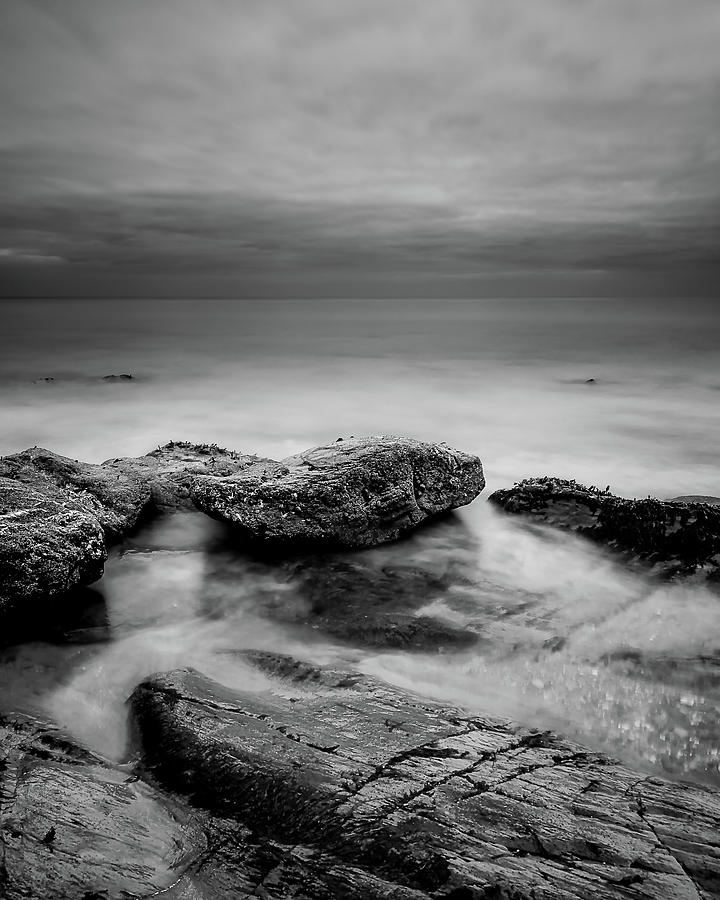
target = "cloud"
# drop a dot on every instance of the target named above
(242, 134)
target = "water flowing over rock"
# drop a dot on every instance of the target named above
(343, 787)
(678, 537)
(354, 493)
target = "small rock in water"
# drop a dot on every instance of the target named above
(123, 377)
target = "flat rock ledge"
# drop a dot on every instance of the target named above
(58, 515)
(350, 494)
(674, 537)
(332, 785)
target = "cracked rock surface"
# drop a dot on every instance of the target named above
(349, 494)
(333, 785)
(675, 537)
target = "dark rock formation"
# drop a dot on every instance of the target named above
(347, 788)
(123, 377)
(674, 537)
(354, 493)
(73, 827)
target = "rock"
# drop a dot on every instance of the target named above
(118, 499)
(76, 828)
(59, 515)
(48, 545)
(676, 538)
(122, 377)
(354, 493)
(170, 471)
(354, 789)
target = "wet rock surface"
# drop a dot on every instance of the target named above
(343, 787)
(678, 537)
(73, 827)
(355, 493)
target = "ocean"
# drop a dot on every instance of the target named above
(622, 393)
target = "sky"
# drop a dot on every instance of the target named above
(359, 148)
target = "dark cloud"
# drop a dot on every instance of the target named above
(242, 146)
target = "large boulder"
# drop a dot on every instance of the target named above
(678, 537)
(73, 827)
(354, 789)
(352, 493)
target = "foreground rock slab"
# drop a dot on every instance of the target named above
(356, 790)
(675, 537)
(75, 828)
(349, 494)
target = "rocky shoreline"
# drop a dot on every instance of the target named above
(329, 783)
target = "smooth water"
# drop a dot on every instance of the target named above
(569, 639)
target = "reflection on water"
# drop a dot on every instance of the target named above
(560, 636)
(480, 610)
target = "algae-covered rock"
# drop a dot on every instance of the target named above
(679, 537)
(354, 493)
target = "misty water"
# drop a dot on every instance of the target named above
(569, 638)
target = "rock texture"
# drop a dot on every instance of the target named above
(75, 828)
(59, 515)
(675, 537)
(48, 544)
(354, 493)
(341, 787)
(116, 499)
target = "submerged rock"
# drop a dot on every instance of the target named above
(355, 789)
(75, 828)
(675, 537)
(354, 493)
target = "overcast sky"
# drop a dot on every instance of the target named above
(351, 147)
